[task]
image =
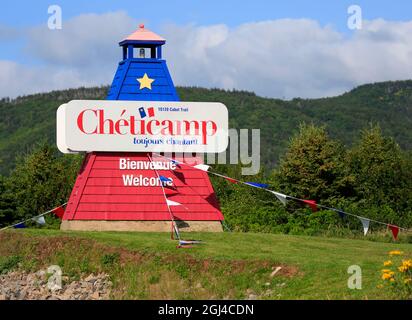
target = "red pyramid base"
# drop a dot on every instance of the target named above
(108, 197)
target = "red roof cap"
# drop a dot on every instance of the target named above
(142, 34)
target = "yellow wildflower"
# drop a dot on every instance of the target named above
(386, 271)
(395, 253)
(392, 280)
(402, 269)
(387, 263)
(387, 276)
(407, 263)
(407, 280)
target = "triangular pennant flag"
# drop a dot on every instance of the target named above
(395, 231)
(258, 185)
(202, 167)
(40, 220)
(342, 214)
(365, 224)
(171, 203)
(175, 162)
(311, 204)
(164, 179)
(59, 211)
(281, 197)
(21, 225)
(230, 179)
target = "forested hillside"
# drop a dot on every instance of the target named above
(30, 119)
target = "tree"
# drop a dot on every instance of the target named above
(382, 171)
(314, 167)
(41, 180)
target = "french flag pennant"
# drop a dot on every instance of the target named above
(365, 224)
(395, 231)
(59, 212)
(281, 197)
(176, 163)
(164, 179)
(342, 214)
(202, 167)
(40, 220)
(171, 203)
(311, 204)
(230, 180)
(258, 185)
(20, 226)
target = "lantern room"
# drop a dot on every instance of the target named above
(142, 44)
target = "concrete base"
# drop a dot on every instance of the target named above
(140, 226)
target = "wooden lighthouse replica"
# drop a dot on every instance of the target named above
(109, 194)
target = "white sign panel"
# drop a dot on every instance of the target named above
(142, 126)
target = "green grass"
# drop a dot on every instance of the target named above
(148, 265)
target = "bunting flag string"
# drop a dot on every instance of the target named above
(39, 220)
(231, 180)
(395, 231)
(341, 214)
(311, 203)
(281, 197)
(365, 224)
(21, 225)
(174, 228)
(59, 211)
(202, 167)
(171, 203)
(164, 179)
(258, 185)
(176, 163)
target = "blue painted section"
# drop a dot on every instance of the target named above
(125, 85)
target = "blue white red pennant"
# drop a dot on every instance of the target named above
(171, 203)
(40, 220)
(164, 179)
(312, 204)
(365, 224)
(257, 185)
(202, 167)
(281, 197)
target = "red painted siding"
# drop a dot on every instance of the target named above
(100, 194)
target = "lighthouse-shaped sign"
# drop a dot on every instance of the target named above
(134, 176)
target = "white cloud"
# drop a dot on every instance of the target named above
(83, 53)
(290, 58)
(84, 41)
(281, 58)
(17, 79)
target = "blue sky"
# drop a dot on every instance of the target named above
(231, 12)
(19, 18)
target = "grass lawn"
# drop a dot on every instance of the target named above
(227, 265)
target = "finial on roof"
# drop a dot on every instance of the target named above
(144, 35)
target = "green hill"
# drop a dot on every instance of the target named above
(29, 119)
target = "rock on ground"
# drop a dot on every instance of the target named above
(18, 285)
